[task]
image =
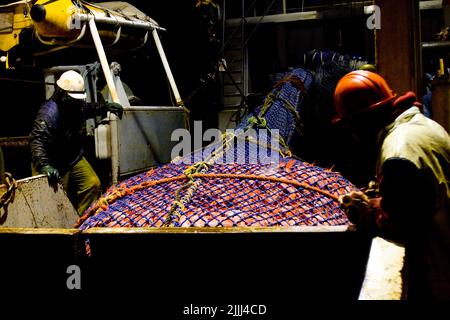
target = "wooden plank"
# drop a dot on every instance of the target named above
(383, 279)
(316, 229)
(398, 54)
(441, 103)
(40, 231)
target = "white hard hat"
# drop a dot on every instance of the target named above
(72, 82)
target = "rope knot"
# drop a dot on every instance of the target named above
(195, 168)
(180, 205)
(103, 204)
(258, 122)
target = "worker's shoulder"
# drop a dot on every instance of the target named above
(417, 130)
(415, 136)
(48, 111)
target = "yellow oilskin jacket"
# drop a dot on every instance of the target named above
(413, 171)
(423, 142)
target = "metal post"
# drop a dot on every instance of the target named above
(165, 63)
(114, 97)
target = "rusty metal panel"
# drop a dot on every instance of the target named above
(37, 205)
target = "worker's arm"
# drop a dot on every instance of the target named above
(41, 138)
(40, 143)
(407, 199)
(91, 110)
(113, 107)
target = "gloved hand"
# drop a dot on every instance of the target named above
(52, 176)
(115, 108)
(357, 205)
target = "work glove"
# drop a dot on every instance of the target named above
(366, 213)
(115, 108)
(52, 176)
(356, 205)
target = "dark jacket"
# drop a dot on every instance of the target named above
(56, 137)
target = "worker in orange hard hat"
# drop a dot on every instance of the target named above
(411, 200)
(360, 92)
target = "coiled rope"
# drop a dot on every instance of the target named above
(8, 196)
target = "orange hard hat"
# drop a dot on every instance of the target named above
(360, 91)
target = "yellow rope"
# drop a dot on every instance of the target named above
(258, 122)
(198, 167)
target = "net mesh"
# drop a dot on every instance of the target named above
(282, 105)
(292, 193)
(230, 183)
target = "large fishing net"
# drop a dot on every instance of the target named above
(248, 177)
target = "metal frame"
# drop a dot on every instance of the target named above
(91, 21)
(147, 25)
(146, 131)
(314, 14)
(115, 163)
(174, 230)
(56, 42)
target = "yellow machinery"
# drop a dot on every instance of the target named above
(60, 24)
(14, 18)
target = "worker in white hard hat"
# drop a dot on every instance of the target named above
(56, 141)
